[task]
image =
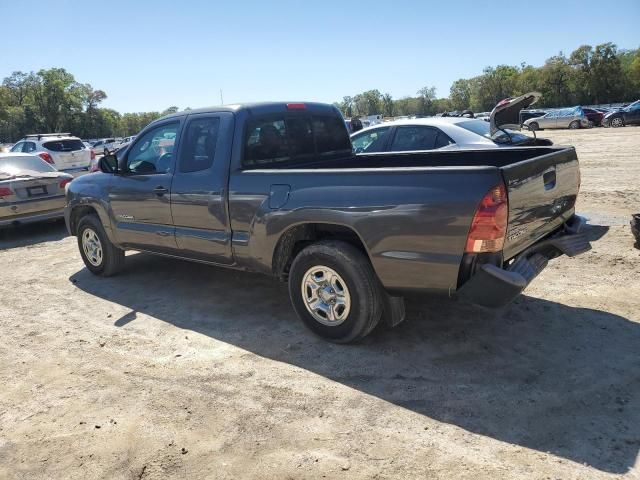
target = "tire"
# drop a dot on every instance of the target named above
(106, 151)
(616, 122)
(533, 126)
(359, 304)
(574, 125)
(591, 124)
(100, 256)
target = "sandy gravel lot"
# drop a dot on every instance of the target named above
(176, 370)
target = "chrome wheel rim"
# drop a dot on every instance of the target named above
(92, 247)
(616, 122)
(573, 125)
(326, 296)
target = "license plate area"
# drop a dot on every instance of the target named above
(36, 191)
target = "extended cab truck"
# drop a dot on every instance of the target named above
(275, 188)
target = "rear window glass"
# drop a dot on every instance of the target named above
(18, 165)
(64, 145)
(276, 140)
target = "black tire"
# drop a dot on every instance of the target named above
(363, 287)
(575, 125)
(111, 259)
(533, 126)
(616, 122)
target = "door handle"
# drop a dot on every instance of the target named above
(160, 190)
(549, 179)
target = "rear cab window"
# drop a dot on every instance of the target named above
(64, 145)
(277, 140)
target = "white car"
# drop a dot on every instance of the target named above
(61, 150)
(449, 133)
(105, 145)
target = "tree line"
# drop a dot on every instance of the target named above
(588, 76)
(53, 101)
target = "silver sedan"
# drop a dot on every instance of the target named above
(31, 190)
(435, 133)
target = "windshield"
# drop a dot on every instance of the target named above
(482, 128)
(22, 165)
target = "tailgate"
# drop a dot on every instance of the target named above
(542, 194)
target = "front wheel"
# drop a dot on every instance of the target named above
(100, 256)
(617, 122)
(574, 125)
(335, 291)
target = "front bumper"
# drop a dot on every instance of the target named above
(492, 286)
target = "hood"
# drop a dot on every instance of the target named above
(506, 114)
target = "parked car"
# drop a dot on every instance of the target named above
(31, 189)
(527, 114)
(594, 117)
(629, 115)
(563, 118)
(275, 188)
(105, 145)
(63, 151)
(128, 139)
(435, 133)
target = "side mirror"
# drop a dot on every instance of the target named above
(108, 164)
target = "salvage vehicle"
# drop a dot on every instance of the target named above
(31, 190)
(62, 150)
(275, 188)
(629, 115)
(563, 118)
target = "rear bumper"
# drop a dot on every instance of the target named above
(492, 286)
(30, 211)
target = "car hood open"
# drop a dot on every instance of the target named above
(506, 114)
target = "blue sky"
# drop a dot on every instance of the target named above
(148, 55)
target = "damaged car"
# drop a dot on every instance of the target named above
(31, 190)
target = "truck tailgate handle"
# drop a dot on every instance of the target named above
(549, 179)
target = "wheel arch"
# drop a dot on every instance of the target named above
(298, 236)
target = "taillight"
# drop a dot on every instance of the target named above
(296, 106)
(5, 192)
(64, 182)
(46, 157)
(489, 225)
(93, 154)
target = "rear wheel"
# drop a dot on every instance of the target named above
(574, 125)
(100, 256)
(533, 126)
(617, 122)
(591, 124)
(335, 291)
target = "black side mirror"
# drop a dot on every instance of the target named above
(108, 164)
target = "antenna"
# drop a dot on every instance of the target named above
(221, 100)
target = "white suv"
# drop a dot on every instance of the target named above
(59, 149)
(105, 145)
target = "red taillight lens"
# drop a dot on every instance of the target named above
(64, 182)
(5, 192)
(93, 154)
(46, 157)
(296, 106)
(489, 225)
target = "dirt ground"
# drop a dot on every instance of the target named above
(177, 370)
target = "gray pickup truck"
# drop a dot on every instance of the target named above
(275, 188)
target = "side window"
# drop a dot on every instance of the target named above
(153, 153)
(266, 143)
(443, 140)
(199, 144)
(371, 141)
(17, 147)
(29, 147)
(414, 138)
